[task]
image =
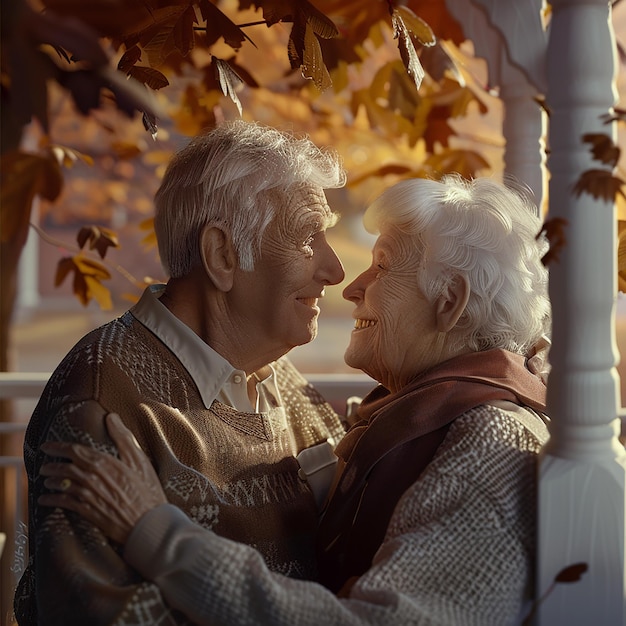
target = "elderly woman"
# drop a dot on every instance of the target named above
(430, 519)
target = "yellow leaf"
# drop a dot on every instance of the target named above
(97, 291)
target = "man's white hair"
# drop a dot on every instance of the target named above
(233, 176)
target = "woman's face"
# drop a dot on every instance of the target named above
(395, 332)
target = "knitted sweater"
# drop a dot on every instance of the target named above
(234, 473)
(458, 550)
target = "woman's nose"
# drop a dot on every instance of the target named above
(354, 291)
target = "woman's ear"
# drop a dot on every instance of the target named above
(218, 256)
(451, 303)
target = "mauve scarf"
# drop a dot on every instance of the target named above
(396, 437)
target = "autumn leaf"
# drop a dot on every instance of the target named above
(416, 26)
(158, 41)
(228, 80)
(125, 150)
(554, 230)
(88, 277)
(98, 238)
(600, 184)
(603, 148)
(408, 54)
(572, 573)
(149, 76)
(129, 58)
(149, 240)
(24, 176)
(68, 156)
(616, 115)
(313, 66)
(217, 25)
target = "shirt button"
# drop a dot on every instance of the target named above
(237, 379)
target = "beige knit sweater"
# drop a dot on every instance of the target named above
(459, 549)
(231, 472)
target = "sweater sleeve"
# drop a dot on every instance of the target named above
(75, 575)
(457, 551)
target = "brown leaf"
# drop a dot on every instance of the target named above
(408, 54)
(321, 24)
(24, 176)
(600, 184)
(183, 31)
(616, 115)
(64, 267)
(554, 230)
(148, 76)
(603, 148)
(129, 58)
(572, 573)
(219, 25)
(416, 26)
(98, 238)
(313, 66)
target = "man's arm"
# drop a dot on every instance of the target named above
(75, 574)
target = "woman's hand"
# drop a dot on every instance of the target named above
(108, 492)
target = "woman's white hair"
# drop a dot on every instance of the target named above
(233, 175)
(487, 233)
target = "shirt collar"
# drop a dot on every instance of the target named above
(214, 376)
(209, 370)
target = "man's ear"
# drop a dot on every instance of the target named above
(451, 303)
(218, 256)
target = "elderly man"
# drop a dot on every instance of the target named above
(198, 370)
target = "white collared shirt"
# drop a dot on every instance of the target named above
(214, 376)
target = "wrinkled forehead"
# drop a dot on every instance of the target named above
(305, 203)
(393, 243)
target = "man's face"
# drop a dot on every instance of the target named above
(395, 331)
(277, 303)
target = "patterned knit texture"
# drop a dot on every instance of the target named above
(459, 549)
(231, 472)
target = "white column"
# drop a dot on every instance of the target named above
(509, 35)
(583, 468)
(523, 129)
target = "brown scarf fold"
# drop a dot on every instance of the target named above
(397, 435)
